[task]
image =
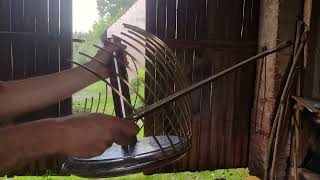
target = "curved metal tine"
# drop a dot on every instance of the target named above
(161, 74)
(173, 71)
(134, 28)
(85, 105)
(105, 101)
(160, 49)
(174, 61)
(143, 101)
(146, 70)
(166, 127)
(130, 87)
(99, 99)
(141, 53)
(158, 43)
(154, 54)
(102, 79)
(91, 104)
(150, 74)
(155, 138)
(123, 64)
(137, 93)
(146, 39)
(157, 48)
(98, 61)
(169, 119)
(150, 40)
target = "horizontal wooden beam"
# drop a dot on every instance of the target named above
(216, 44)
(29, 35)
(49, 38)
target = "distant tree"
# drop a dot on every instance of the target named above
(113, 8)
(109, 12)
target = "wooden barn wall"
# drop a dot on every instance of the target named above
(209, 36)
(36, 39)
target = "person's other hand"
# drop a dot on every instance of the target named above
(89, 135)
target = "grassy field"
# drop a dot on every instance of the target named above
(229, 174)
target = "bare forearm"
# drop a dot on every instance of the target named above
(30, 94)
(25, 143)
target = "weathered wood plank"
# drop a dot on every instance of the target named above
(151, 19)
(195, 77)
(65, 47)
(42, 58)
(180, 53)
(206, 91)
(5, 51)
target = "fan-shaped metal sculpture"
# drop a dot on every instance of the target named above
(168, 133)
(165, 106)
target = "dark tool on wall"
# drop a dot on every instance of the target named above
(152, 88)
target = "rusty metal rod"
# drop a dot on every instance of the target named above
(148, 109)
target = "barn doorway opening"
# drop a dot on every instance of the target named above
(91, 20)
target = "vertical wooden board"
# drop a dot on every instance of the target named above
(180, 53)
(42, 27)
(18, 60)
(54, 18)
(5, 52)
(160, 32)
(30, 50)
(189, 59)
(234, 28)
(229, 117)
(161, 18)
(170, 33)
(171, 19)
(206, 91)
(214, 145)
(151, 8)
(216, 25)
(65, 47)
(52, 63)
(245, 95)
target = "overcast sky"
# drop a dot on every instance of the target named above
(84, 14)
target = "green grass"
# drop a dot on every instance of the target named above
(228, 174)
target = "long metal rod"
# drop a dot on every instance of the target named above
(148, 109)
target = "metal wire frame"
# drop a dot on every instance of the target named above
(150, 75)
(168, 79)
(101, 78)
(161, 47)
(139, 79)
(142, 99)
(167, 117)
(169, 69)
(172, 78)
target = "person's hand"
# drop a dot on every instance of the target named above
(103, 60)
(110, 46)
(89, 135)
